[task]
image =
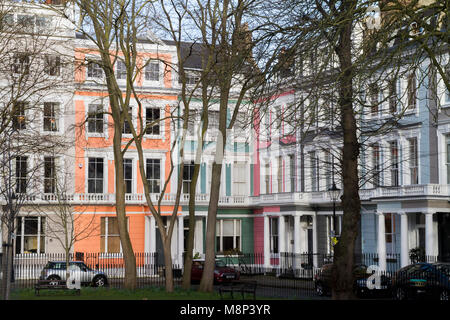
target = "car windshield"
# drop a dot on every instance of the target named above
(220, 264)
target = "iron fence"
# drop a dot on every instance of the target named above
(287, 275)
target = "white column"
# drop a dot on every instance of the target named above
(147, 234)
(404, 247)
(152, 234)
(314, 236)
(381, 241)
(297, 234)
(198, 236)
(39, 236)
(429, 236)
(297, 259)
(281, 234)
(180, 239)
(266, 242)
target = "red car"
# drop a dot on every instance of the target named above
(222, 273)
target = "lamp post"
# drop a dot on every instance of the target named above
(334, 193)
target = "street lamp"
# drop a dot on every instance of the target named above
(334, 193)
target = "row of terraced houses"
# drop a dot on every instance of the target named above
(274, 190)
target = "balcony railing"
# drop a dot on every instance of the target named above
(427, 190)
(130, 198)
(305, 198)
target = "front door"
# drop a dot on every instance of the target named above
(444, 236)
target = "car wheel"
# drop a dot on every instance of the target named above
(399, 294)
(443, 296)
(53, 280)
(319, 289)
(99, 281)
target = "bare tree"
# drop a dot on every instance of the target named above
(220, 33)
(63, 224)
(118, 31)
(33, 69)
(345, 76)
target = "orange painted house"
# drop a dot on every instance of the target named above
(94, 180)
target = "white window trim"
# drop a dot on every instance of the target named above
(442, 132)
(107, 254)
(403, 93)
(39, 235)
(162, 158)
(105, 171)
(120, 81)
(59, 116)
(160, 80)
(91, 59)
(220, 234)
(133, 174)
(161, 122)
(60, 65)
(103, 134)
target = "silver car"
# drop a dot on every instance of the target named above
(56, 270)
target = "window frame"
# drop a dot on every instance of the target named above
(50, 177)
(21, 234)
(95, 179)
(97, 117)
(389, 221)
(314, 171)
(104, 236)
(149, 73)
(50, 65)
(240, 180)
(447, 158)
(376, 165)
(19, 115)
(129, 185)
(237, 235)
(54, 109)
(187, 182)
(413, 161)
(121, 72)
(274, 236)
(153, 182)
(411, 95)
(21, 176)
(394, 163)
(126, 129)
(149, 131)
(94, 71)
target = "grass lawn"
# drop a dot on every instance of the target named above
(89, 293)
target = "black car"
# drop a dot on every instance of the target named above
(322, 282)
(422, 280)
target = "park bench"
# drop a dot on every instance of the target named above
(242, 287)
(52, 285)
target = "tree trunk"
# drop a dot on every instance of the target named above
(186, 284)
(7, 262)
(207, 281)
(127, 248)
(168, 263)
(343, 277)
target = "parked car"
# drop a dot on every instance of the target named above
(56, 270)
(322, 282)
(422, 280)
(222, 273)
